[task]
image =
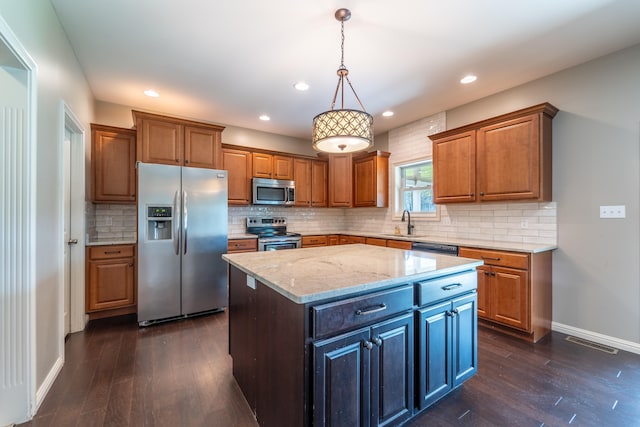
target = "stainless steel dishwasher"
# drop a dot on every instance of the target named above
(437, 248)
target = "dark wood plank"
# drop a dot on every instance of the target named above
(179, 373)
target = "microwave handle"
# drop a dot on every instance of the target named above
(289, 191)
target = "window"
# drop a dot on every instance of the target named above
(414, 189)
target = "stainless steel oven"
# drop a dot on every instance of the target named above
(272, 233)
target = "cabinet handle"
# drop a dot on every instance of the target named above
(486, 273)
(177, 160)
(131, 265)
(488, 258)
(111, 252)
(371, 310)
(367, 345)
(451, 286)
(454, 312)
(493, 274)
(377, 341)
(482, 193)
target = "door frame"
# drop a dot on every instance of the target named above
(77, 315)
(23, 317)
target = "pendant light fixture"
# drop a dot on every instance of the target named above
(343, 130)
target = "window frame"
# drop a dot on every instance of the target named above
(397, 196)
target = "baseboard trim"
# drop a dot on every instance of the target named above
(625, 345)
(48, 383)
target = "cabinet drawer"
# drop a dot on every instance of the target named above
(335, 317)
(376, 242)
(314, 241)
(111, 251)
(500, 258)
(242, 245)
(448, 287)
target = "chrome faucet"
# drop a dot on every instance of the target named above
(409, 225)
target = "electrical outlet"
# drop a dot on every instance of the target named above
(613, 211)
(524, 223)
(108, 221)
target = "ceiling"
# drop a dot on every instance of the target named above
(228, 62)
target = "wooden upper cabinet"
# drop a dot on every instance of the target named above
(238, 165)
(273, 166)
(262, 165)
(113, 158)
(340, 180)
(503, 158)
(319, 175)
(302, 178)
(202, 147)
(455, 175)
(508, 160)
(282, 167)
(179, 142)
(310, 177)
(370, 180)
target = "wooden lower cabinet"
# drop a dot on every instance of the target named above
(399, 244)
(110, 280)
(313, 241)
(375, 241)
(514, 291)
(242, 245)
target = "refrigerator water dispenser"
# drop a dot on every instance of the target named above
(159, 222)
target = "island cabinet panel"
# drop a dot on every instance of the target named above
(365, 377)
(447, 347)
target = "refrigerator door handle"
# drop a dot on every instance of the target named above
(176, 225)
(184, 219)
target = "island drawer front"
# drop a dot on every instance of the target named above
(447, 287)
(335, 317)
(111, 251)
(499, 258)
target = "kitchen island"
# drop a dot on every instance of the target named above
(349, 335)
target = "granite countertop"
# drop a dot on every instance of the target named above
(474, 243)
(110, 242)
(313, 274)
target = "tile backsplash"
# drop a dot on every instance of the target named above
(111, 222)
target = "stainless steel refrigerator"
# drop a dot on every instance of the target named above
(182, 234)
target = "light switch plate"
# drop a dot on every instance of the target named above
(612, 211)
(251, 282)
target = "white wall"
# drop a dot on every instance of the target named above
(596, 161)
(59, 78)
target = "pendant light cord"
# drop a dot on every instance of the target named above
(343, 74)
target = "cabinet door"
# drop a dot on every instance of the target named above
(160, 142)
(454, 168)
(364, 182)
(484, 298)
(464, 339)
(302, 177)
(342, 380)
(113, 165)
(110, 284)
(434, 353)
(510, 297)
(282, 167)
(340, 180)
(392, 376)
(238, 163)
(508, 160)
(202, 147)
(262, 164)
(318, 184)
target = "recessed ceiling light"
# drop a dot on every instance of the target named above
(264, 118)
(387, 113)
(301, 86)
(468, 79)
(151, 93)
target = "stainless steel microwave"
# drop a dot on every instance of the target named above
(273, 192)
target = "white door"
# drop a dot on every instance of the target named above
(68, 239)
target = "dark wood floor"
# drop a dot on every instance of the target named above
(179, 374)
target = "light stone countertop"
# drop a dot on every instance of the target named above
(109, 242)
(313, 274)
(473, 243)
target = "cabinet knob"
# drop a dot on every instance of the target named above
(377, 341)
(177, 160)
(131, 265)
(482, 193)
(367, 345)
